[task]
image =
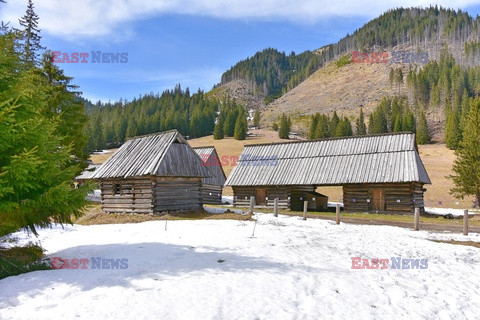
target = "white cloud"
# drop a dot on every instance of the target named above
(93, 18)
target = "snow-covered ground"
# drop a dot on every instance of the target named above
(216, 269)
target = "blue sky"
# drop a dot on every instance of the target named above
(189, 42)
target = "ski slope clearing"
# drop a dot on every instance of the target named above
(216, 269)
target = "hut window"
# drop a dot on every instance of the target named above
(116, 189)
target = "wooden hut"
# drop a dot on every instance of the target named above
(377, 172)
(152, 174)
(211, 186)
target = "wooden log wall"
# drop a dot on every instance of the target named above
(299, 194)
(212, 194)
(134, 196)
(398, 197)
(241, 196)
(174, 193)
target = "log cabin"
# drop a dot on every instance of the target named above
(378, 173)
(212, 186)
(152, 174)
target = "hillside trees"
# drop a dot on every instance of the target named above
(360, 127)
(321, 126)
(191, 114)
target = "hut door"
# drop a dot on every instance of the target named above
(378, 200)
(260, 196)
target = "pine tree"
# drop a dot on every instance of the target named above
(334, 123)
(466, 167)
(452, 130)
(361, 128)
(241, 127)
(423, 134)
(323, 127)
(397, 127)
(284, 128)
(36, 168)
(63, 102)
(256, 118)
(218, 130)
(30, 36)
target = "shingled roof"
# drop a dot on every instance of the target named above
(388, 158)
(161, 154)
(218, 176)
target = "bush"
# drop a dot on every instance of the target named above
(345, 59)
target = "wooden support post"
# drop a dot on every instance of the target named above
(252, 204)
(416, 220)
(275, 208)
(305, 208)
(337, 214)
(465, 222)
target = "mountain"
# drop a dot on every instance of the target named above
(313, 82)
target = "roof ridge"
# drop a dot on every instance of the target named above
(153, 134)
(331, 139)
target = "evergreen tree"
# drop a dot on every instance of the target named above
(452, 130)
(36, 168)
(344, 128)
(256, 118)
(361, 128)
(218, 130)
(334, 123)
(241, 127)
(423, 134)
(323, 127)
(30, 36)
(466, 167)
(63, 103)
(397, 127)
(284, 128)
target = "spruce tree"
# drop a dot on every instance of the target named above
(323, 127)
(452, 130)
(256, 118)
(334, 123)
(241, 127)
(36, 168)
(218, 130)
(423, 134)
(313, 126)
(360, 127)
(284, 128)
(30, 36)
(466, 167)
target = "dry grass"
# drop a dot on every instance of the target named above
(462, 243)
(438, 161)
(95, 215)
(99, 158)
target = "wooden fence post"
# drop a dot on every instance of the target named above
(337, 214)
(305, 208)
(275, 208)
(252, 203)
(416, 220)
(465, 222)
